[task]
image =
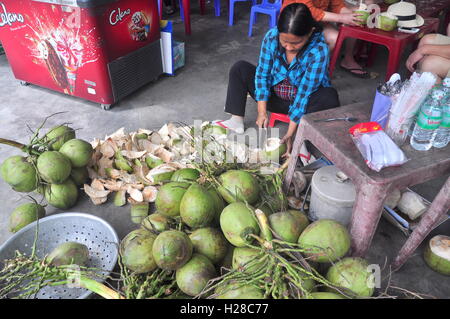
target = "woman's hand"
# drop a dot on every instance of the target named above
(349, 18)
(287, 139)
(262, 120)
(415, 57)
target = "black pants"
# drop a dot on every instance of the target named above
(242, 81)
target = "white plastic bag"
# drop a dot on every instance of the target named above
(376, 147)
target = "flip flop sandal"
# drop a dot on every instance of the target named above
(364, 75)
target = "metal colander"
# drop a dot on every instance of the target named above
(86, 229)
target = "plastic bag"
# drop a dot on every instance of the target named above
(376, 147)
(380, 109)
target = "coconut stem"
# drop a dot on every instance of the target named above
(99, 288)
(18, 145)
(264, 225)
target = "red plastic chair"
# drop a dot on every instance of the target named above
(278, 117)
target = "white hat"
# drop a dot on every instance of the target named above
(406, 14)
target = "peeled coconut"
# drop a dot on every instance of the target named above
(136, 251)
(169, 198)
(62, 196)
(210, 242)
(69, 253)
(156, 222)
(54, 167)
(185, 175)
(352, 273)
(79, 175)
(240, 186)
(172, 249)
(79, 152)
(437, 254)
(59, 135)
(325, 241)
(193, 276)
(237, 221)
(197, 207)
(273, 149)
(24, 215)
(19, 174)
(286, 226)
(239, 291)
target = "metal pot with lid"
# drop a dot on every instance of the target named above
(332, 195)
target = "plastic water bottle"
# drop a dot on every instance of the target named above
(442, 137)
(428, 121)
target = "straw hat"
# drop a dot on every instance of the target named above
(406, 14)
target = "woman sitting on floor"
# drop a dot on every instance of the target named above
(291, 77)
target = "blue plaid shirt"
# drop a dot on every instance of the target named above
(308, 71)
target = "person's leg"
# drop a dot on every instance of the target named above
(324, 98)
(348, 62)
(435, 64)
(330, 34)
(241, 82)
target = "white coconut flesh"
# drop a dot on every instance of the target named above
(440, 246)
(272, 144)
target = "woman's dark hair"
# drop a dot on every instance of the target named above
(297, 19)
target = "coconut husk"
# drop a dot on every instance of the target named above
(135, 194)
(150, 193)
(97, 196)
(133, 154)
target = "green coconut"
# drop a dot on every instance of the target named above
(139, 211)
(227, 261)
(197, 207)
(136, 251)
(78, 151)
(59, 135)
(326, 295)
(238, 186)
(325, 241)
(239, 291)
(437, 254)
(242, 256)
(79, 175)
(54, 167)
(69, 253)
(193, 276)
(172, 249)
(169, 198)
(219, 204)
(24, 215)
(301, 218)
(352, 273)
(214, 130)
(19, 173)
(63, 195)
(185, 175)
(237, 221)
(156, 222)
(286, 226)
(273, 150)
(210, 242)
(153, 161)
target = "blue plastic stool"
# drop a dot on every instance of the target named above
(231, 11)
(266, 7)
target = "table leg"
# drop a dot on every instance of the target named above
(438, 208)
(366, 215)
(187, 16)
(395, 54)
(299, 139)
(337, 48)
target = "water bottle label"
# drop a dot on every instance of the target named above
(446, 120)
(429, 122)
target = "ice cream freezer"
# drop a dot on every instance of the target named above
(98, 50)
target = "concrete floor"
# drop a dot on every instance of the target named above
(198, 91)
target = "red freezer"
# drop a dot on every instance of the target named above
(98, 50)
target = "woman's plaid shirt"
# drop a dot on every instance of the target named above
(308, 71)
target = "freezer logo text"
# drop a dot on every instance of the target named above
(117, 15)
(7, 18)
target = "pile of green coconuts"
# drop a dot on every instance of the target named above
(53, 165)
(201, 231)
